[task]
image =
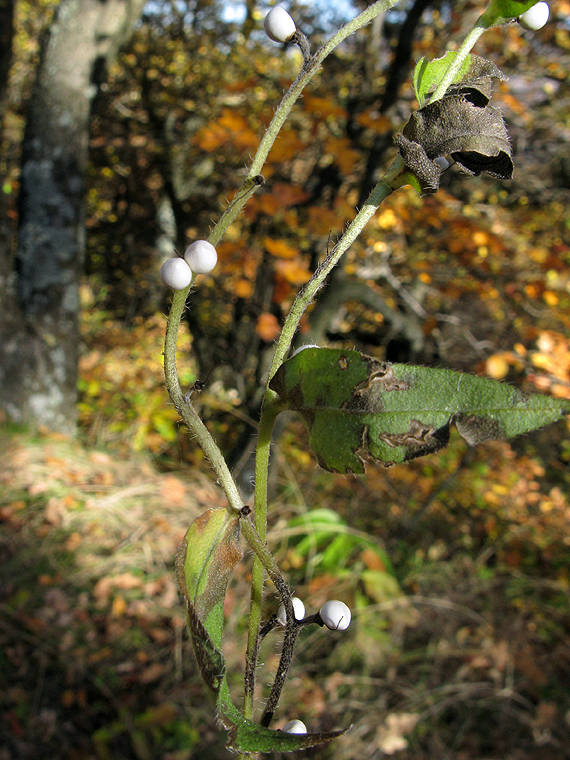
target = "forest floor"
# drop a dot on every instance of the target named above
(455, 570)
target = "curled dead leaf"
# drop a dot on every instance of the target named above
(461, 125)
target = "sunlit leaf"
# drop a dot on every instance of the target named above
(375, 121)
(204, 565)
(428, 74)
(358, 408)
(461, 125)
(502, 10)
(344, 155)
(323, 106)
(293, 271)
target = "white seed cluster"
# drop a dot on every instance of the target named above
(298, 609)
(335, 615)
(278, 24)
(200, 257)
(295, 727)
(536, 17)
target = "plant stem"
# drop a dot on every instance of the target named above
(263, 559)
(185, 408)
(249, 187)
(308, 71)
(465, 48)
(384, 188)
(268, 415)
(305, 76)
(390, 182)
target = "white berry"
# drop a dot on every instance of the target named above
(176, 273)
(279, 26)
(201, 256)
(536, 17)
(335, 615)
(295, 727)
(298, 609)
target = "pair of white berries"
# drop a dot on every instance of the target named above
(200, 257)
(334, 614)
(536, 17)
(280, 27)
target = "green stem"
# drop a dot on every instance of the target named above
(186, 410)
(308, 71)
(390, 182)
(252, 183)
(239, 200)
(182, 402)
(269, 413)
(270, 409)
(306, 74)
(481, 25)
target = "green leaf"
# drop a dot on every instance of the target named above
(330, 543)
(504, 10)
(358, 408)
(428, 74)
(204, 565)
(251, 737)
(380, 585)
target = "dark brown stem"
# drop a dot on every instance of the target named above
(299, 39)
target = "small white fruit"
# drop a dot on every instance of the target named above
(335, 615)
(175, 273)
(201, 256)
(298, 609)
(295, 727)
(536, 17)
(279, 26)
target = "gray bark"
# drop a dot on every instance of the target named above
(39, 338)
(6, 35)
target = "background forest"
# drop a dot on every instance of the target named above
(456, 565)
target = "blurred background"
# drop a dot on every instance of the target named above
(126, 127)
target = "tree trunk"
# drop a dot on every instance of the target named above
(6, 34)
(39, 338)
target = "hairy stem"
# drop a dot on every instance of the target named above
(266, 562)
(303, 299)
(393, 179)
(310, 67)
(185, 408)
(289, 640)
(306, 74)
(465, 48)
(268, 415)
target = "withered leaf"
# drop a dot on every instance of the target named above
(461, 125)
(478, 85)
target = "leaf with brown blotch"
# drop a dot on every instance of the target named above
(358, 408)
